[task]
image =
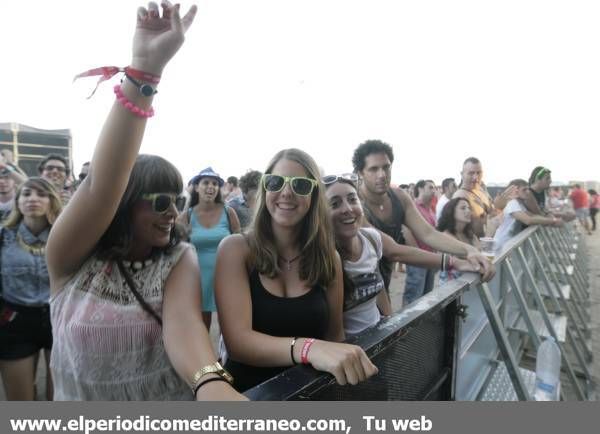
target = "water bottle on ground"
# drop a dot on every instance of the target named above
(547, 371)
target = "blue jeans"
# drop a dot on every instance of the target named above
(419, 281)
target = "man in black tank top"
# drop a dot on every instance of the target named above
(388, 209)
(382, 207)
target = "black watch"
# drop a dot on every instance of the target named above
(144, 88)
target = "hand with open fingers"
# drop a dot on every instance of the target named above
(349, 364)
(157, 38)
(510, 192)
(486, 268)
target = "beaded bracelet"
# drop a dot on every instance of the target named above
(130, 106)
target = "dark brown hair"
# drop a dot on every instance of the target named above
(447, 221)
(150, 174)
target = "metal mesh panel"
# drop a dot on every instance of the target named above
(415, 365)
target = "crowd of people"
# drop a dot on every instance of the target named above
(117, 275)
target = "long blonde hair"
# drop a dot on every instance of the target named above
(39, 184)
(316, 241)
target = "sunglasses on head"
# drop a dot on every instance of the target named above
(50, 168)
(161, 202)
(541, 173)
(330, 179)
(300, 185)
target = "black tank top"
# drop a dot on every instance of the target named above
(303, 316)
(394, 230)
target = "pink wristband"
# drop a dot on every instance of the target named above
(305, 348)
(130, 106)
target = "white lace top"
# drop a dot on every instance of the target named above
(106, 347)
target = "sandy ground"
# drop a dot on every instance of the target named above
(397, 289)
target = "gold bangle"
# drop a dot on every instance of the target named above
(215, 368)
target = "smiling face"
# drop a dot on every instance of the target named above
(286, 208)
(462, 212)
(377, 173)
(207, 189)
(152, 229)
(33, 202)
(345, 210)
(55, 172)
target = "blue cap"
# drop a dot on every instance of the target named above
(207, 173)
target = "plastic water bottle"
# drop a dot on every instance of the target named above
(547, 371)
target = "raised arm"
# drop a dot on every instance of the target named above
(12, 173)
(92, 208)
(505, 196)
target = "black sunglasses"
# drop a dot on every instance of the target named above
(300, 185)
(161, 202)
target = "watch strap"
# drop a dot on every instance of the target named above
(144, 88)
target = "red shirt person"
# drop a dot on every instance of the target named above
(581, 204)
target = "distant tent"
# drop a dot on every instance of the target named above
(30, 145)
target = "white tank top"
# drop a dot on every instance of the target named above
(106, 346)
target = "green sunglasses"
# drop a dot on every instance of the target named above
(161, 202)
(300, 185)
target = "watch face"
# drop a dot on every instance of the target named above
(147, 90)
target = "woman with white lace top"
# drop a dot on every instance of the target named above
(125, 290)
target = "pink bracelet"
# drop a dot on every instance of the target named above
(130, 106)
(305, 348)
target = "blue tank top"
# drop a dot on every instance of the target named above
(206, 241)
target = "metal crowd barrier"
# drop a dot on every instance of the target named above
(466, 340)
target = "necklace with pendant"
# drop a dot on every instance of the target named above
(288, 262)
(36, 250)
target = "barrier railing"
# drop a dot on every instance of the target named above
(466, 340)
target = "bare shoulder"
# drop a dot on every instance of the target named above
(401, 194)
(460, 193)
(184, 258)
(234, 245)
